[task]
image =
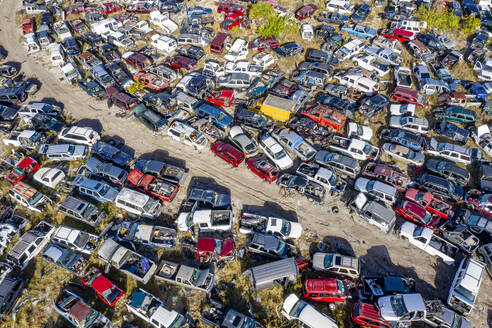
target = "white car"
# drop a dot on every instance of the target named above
(402, 109)
(466, 284)
(245, 143)
(62, 30)
(307, 32)
(275, 152)
(238, 51)
(363, 132)
(402, 307)
(49, 176)
(213, 68)
(421, 71)
(75, 239)
(79, 135)
(403, 154)
(263, 59)
(163, 43)
(410, 123)
(31, 43)
(295, 309)
(371, 64)
(357, 81)
(283, 228)
(483, 69)
(163, 22)
(186, 134)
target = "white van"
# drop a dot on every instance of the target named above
(163, 43)
(163, 22)
(340, 6)
(308, 316)
(464, 290)
(57, 56)
(409, 25)
(137, 203)
(238, 51)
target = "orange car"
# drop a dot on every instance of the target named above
(326, 116)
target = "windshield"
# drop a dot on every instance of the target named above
(281, 248)
(90, 320)
(248, 323)
(35, 198)
(398, 305)
(367, 149)
(370, 185)
(68, 258)
(148, 205)
(457, 321)
(328, 260)
(218, 247)
(104, 190)
(178, 322)
(285, 228)
(427, 218)
(195, 276)
(297, 309)
(280, 154)
(465, 293)
(81, 240)
(88, 211)
(341, 287)
(418, 231)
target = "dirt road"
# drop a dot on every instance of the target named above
(379, 252)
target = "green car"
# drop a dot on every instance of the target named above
(456, 114)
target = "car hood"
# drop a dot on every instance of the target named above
(318, 260)
(361, 184)
(295, 230)
(121, 158)
(407, 229)
(111, 194)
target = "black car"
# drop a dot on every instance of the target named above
(47, 123)
(10, 290)
(332, 18)
(252, 120)
(372, 287)
(479, 40)
(92, 40)
(109, 52)
(370, 106)
(486, 177)
(162, 102)
(92, 88)
(440, 186)
(9, 119)
(289, 49)
(460, 235)
(361, 13)
(46, 18)
(71, 47)
(336, 102)
(190, 51)
(321, 56)
(312, 131)
(324, 31)
(323, 68)
(448, 170)
(431, 41)
(119, 74)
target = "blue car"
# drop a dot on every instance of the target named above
(451, 131)
(289, 49)
(405, 138)
(111, 153)
(71, 47)
(97, 190)
(361, 13)
(107, 171)
(217, 116)
(476, 89)
(359, 31)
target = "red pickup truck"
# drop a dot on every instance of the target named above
(326, 116)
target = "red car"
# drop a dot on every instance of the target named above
(231, 21)
(266, 43)
(263, 168)
(328, 290)
(151, 185)
(367, 315)
(110, 7)
(399, 34)
(326, 116)
(181, 62)
(120, 99)
(305, 11)
(106, 290)
(479, 201)
(223, 98)
(416, 213)
(151, 81)
(228, 153)
(430, 202)
(27, 165)
(214, 249)
(27, 25)
(229, 7)
(136, 59)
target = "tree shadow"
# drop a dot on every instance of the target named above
(207, 183)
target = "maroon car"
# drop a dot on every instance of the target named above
(305, 11)
(214, 249)
(228, 153)
(266, 43)
(136, 59)
(181, 62)
(120, 99)
(263, 168)
(417, 214)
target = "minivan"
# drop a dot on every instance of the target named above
(343, 165)
(277, 273)
(466, 284)
(137, 203)
(220, 42)
(193, 39)
(440, 186)
(97, 190)
(63, 152)
(410, 96)
(82, 210)
(105, 170)
(15, 95)
(218, 117)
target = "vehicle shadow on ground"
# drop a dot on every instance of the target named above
(119, 143)
(377, 261)
(271, 209)
(163, 155)
(53, 101)
(90, 123)
(334, 244)
(207, 183)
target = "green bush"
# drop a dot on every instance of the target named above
(261, 9)
(276, 26)
(441, 18)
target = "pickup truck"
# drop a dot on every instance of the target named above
(262, 84)
(186, 276)
(296, 144)
(29, 139)
(206, 219)
(133, 264)
(426, 240)
(461, 236)
(388, 174)
(355, 148)
(243, 67)
(220, 316)
(290, 183)
(278, 227)
(439, 316)
(326, 116)
(149, 184)
(373, 212)
(459, 99)
(323, 176)
(168, 172)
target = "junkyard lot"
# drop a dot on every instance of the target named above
(380, 253)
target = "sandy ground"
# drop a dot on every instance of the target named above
(379, 253)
